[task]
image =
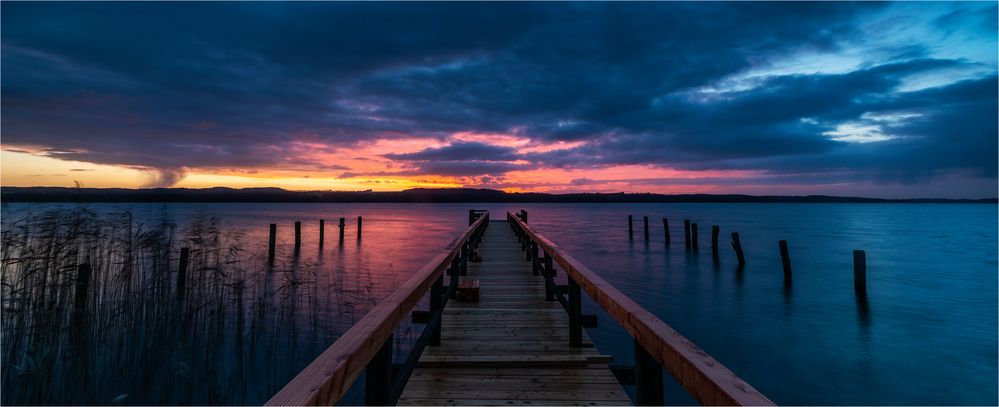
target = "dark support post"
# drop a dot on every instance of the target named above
(271, 242)
(527, 249)
(714, 240)
(523, 215)
(535, 261)
(549, 274)
(298, 235)
(785, 260)
(82, 282)
(359, 227)
(648, 378)
(343, 224)
(378, 376)
(436, 305)
(185, 254)
(466, 250)
(686, 234)
(646, 220)
(666, 229)
(737, 245)
(575, 315)
(860, 272)
(631, 232)
(322, 231)
(693, 236)
(471, 217)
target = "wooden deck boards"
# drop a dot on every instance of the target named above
(511, 347)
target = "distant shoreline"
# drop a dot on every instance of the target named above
(455, 195)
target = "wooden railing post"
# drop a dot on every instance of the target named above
(575, 315)
(436, 305)
(648, 378)
(549, 273)
(271, 243)
(535, 261)
(378, 376)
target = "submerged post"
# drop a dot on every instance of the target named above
(737, 246)
(271, 243)
(298, 234)
(631, 234)
(686, 234)
(860, 272)
(322, 231)
(693, 236)
(714, 240)
(666, 229)
(645, 220)
(785, 260)
(185, 254)
(359, 227)
(343, 224)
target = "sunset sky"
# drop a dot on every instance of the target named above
(861, 99)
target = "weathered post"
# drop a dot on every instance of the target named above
(322, 231)
(686, 234)
(343, 224)
(471, 217)
(645, 220)
(666, 229)
(737, 245)
(359, 227)
(631, 234)
(785, 260)
(693, 236)
(860, 272)
(185, 254)
(298, 235)
(575, 315)
(714, 240)
(436, 303)
(271, 243)
(378, 376)
(648, 378)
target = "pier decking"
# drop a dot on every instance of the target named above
(511, 344)
(521, 343)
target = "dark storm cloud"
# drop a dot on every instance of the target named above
(171, 86)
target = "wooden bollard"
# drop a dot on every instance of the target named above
(693, 236)
(686, 233)
(359, 227)
(646, 222)
(298, 235)
(785, 260)
(860, 272)
(714, 240)
(737, 245)
(322, 231)
(185, 254)
(631, 235)
(272, 242)
(343, 224)
(666, 229)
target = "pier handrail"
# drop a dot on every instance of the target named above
(702, 376)
(332, 373)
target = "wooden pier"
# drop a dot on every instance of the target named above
(522, 342)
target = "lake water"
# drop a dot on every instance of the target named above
(928, 335)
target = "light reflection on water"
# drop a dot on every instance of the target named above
(929, 336)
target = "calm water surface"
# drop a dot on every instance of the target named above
(928, 335)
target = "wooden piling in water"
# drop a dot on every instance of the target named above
(785, 260)
(666, 229)
(359, 227)
(298, 235)
(860, 272)
(693, 236)
(686, 234)
(645, 219)
(272, 242)
(322, 231)
(737, 246)
(343, 224)
(185, 254)
(631, 235)
(714, 240)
